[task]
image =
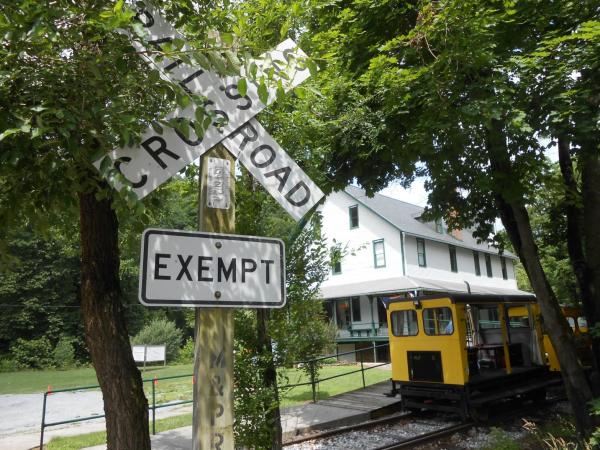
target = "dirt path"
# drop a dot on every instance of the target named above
(21, 416)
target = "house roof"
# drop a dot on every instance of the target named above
(404, 216)
(396, 284)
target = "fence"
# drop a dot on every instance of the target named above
(313, 365)
(152, 408)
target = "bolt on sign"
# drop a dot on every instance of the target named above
(184, 268)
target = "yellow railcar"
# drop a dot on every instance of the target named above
(578, 324)
(462, 352)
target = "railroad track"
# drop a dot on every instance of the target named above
(422, 438)
(345, 429)
(433, 436)
(426, 438)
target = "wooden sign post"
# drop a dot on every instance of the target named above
(162, 155)
(213, 361)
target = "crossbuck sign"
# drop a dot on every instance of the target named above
(161, 155)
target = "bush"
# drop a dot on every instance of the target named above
(8, 365)
(595, 405)
(160, 332)
(500, 440)
(63, 355)
(186, 354)
(252, 400)
(33, 353)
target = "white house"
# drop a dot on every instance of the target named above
(383, 248)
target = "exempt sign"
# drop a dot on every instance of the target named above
(180, 268)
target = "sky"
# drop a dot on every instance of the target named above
(417, 195)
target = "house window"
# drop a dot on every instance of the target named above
(356, 309)
(488, 265)
(353, 213)
(453, 264)
(438, 321)
(379, 253)
(504, 271)
(476, 261)
(335, 255)
(421, 252)
(404, 323)
(439, 226)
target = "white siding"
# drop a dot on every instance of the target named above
(360, 266)
(438, 265)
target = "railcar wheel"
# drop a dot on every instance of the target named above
(538, 396)
(480, 413)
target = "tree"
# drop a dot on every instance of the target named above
(39, 297)
(435, 88)
(71, 90)
(172, 206)
(270, 339)
(549, 226)
(562, 75)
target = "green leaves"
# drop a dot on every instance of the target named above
(242, 86)
(226, 38)
(263, 92)
(9, 132)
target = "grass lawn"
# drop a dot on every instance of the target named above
(181, 389)
(30, 381)
(99, 437)
(327, 388)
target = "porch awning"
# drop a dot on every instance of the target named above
(372, 287)
(394, 285)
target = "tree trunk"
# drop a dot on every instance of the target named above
(107, 339)
(270, 376)
(555, 324)
(518, 227)
(575, 242)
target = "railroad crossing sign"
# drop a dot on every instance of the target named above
(204, 269)
(162, 154)
(183, 268)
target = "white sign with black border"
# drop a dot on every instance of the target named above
(189, 268)
(161, 155)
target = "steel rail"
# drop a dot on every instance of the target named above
(423, 438)
(347, 428)
(426, 438)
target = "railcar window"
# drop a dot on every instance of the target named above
(519, 322)
(582, 322)
(518, 316)
(404, 323)
(571, 322)
(438, 321)
(488, 318)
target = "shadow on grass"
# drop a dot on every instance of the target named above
(290, 398)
